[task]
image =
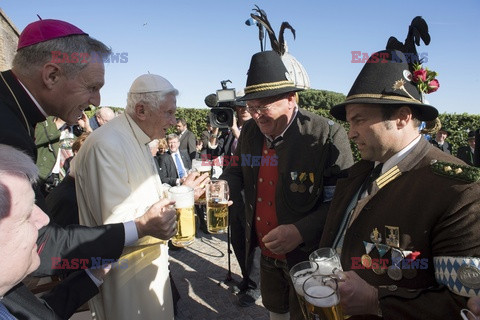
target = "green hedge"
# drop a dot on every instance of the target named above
(457, 124)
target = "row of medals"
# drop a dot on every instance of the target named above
(393, 271)
(300, 187)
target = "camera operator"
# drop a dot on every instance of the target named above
(225, 142)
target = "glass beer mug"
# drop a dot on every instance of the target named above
(299, 273)
(327, 259)
(322, 298)
(202, 166)
(184, 205)
(217, 206)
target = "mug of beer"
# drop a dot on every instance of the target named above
(322, 298)
(217, 206)
(184, 205)
(327, 259)
(202, 166)
(299, 273)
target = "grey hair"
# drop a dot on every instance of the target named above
(86, 48)
(17, 163)
(151, 99)
(172, 136)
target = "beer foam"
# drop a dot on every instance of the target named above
(183, 196)
(321, 296)
(300, 277)
(204, 168)
(326, 266)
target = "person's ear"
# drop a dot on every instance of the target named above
(51, 74)
(141, 111)
(403, 117)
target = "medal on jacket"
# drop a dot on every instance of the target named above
(394, 272)
(366, 260)
(393, 238)
(376, 236)
(301, 187)
(293, 185)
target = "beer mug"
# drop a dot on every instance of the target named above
(322, 298)
(217, 206)
(327, 259)
(299, 273)
(184, 206)
(202, 166)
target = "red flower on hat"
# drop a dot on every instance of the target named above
(433, 86)
(420, 75)
(425, 79)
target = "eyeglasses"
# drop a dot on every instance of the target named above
(263, 109)
(260, 109)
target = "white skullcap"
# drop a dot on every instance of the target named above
(151, 83)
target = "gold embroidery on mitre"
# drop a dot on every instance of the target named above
(388, 177)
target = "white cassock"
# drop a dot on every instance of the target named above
(117, 181)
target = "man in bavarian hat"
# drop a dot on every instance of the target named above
(408, 213)
(292, 158)
(465, 153)
(58, 70)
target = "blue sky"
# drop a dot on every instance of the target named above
(197, 43)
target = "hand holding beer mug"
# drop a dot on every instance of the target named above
(184, 205)
(328, 261)
(217, 206)
(299, 273)
(322, 298)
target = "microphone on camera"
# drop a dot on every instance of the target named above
(211, 100)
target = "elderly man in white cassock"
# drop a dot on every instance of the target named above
(117, 180)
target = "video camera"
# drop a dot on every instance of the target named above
(223, 106)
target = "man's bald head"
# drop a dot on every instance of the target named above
(104, 115)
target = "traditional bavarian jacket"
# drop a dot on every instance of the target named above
(421, 213)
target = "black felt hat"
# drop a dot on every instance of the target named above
(386, 79)
(267, 77)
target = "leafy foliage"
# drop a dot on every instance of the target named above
(320, 102)
(319, 99)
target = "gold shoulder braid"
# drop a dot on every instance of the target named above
(455, 171)
(18, 104)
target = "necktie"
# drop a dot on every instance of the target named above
(180, 170)
(5, 314)
(275, 142)
(368, 184)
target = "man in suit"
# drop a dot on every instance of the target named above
(175, 163)
(440, 141)
(466, 153)
(39, 85)
(20, 220)
(288, 163)
(407, 215)
(187, 139)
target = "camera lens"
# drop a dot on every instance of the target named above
(222, 117)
